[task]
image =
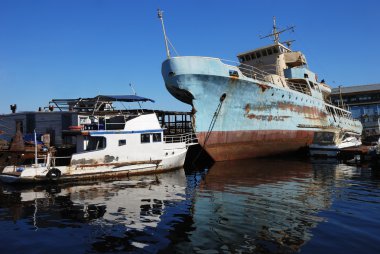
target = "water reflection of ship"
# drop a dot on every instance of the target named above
(259, 206)
(114, 209)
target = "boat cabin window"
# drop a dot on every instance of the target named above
(156, 137)
(253, 56)
(241, 59)
(275, 50)
(145, 138)
(269, 51)
(96, 143)
(264, 52)
(323, 138)
(122, 142)
(258, 54)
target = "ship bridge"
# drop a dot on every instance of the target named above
(273, 59)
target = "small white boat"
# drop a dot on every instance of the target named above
(329, 144)
(133, 145)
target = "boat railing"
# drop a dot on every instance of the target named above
(188, 138)
(302, 88)
(261, 74)
(248, 70)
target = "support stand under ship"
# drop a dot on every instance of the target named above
(266, 104)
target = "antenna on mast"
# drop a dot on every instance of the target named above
(160, 16)
(134, 92)
(275, 33)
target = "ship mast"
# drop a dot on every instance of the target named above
(276, 36)
(275, 33)
(159, 14)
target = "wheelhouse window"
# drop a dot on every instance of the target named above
(122, 142)
(145, 138)
(323, 138)
(156, 137)
(96, 143)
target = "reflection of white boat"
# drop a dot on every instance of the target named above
(328, 144)
(136, 203)
(134, 145)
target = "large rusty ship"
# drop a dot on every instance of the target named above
(268, 103)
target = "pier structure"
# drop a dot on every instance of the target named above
(364, 103)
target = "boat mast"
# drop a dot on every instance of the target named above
(35, 149)
(276, 34)
(159, 13)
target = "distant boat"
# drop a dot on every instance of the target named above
(267, 104)
(328, 144)
(111, 145)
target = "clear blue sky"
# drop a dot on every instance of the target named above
(82, 48)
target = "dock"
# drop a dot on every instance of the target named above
(365, 153)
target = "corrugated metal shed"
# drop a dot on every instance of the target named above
(357, 89)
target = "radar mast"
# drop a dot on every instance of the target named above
(275, 33)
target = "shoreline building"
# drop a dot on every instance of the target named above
(364, 103)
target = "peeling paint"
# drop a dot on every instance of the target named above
(247, 108)
(263, 87)
(109, 158)
(267, 117)
(83, 161)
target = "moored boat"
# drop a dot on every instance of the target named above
(110, 146)
(267, 104)
(329, 144)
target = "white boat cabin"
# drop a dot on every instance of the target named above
(139, 139)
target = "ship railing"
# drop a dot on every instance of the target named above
(251, 71)
(261, 74)
(188, 138)
(302, 88)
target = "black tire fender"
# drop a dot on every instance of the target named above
(53, 174)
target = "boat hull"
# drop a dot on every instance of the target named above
(235, 145)
(30, 174)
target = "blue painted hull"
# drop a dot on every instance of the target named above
(252, 112)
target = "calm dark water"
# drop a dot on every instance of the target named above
(250, 206)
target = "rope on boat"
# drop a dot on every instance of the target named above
(213, 120)
(212, 124)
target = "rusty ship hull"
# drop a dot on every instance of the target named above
(238, 117)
